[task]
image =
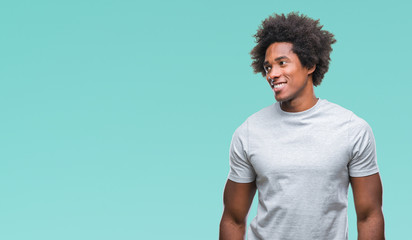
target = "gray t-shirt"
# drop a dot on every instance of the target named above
(301, 162)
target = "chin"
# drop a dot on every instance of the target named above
(281, 99)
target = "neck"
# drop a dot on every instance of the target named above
(304, 99)
(298, 105)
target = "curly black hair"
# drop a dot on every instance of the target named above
(311, 44)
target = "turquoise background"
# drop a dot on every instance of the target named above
(116, 116)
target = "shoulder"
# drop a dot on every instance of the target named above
(354, 122)
(256, 119)
(357, 122)
(263, 113)
(359, 129)
(335, 109)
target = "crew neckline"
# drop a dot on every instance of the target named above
(307, 111)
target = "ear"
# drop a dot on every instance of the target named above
(312, 69)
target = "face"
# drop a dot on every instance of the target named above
(291, 81)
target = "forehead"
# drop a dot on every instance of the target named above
(278, 49)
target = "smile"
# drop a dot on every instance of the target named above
(279, 85)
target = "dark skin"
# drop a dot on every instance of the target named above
(295, 95)
(283, 67)
(367, 194)
(237, 199)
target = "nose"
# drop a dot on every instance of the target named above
(273, 73)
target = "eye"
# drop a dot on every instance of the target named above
(281, 63)
(267, 68)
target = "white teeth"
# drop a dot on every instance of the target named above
(279, 85)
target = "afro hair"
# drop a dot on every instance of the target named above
(311, 44)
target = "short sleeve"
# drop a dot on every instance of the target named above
(241, 170)
(363, 160)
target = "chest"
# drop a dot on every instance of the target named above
(308, 149)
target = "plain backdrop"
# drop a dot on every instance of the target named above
(116, 116)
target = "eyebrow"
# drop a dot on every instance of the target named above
(276, 59)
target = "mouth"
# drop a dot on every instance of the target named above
(278, 86)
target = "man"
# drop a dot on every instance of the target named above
(301, 152)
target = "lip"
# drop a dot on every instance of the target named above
(278, 83)
(280, 88)
(274, 83)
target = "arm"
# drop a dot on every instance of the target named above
(367, 194)
(237, 199)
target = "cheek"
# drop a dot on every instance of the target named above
(296, 75)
